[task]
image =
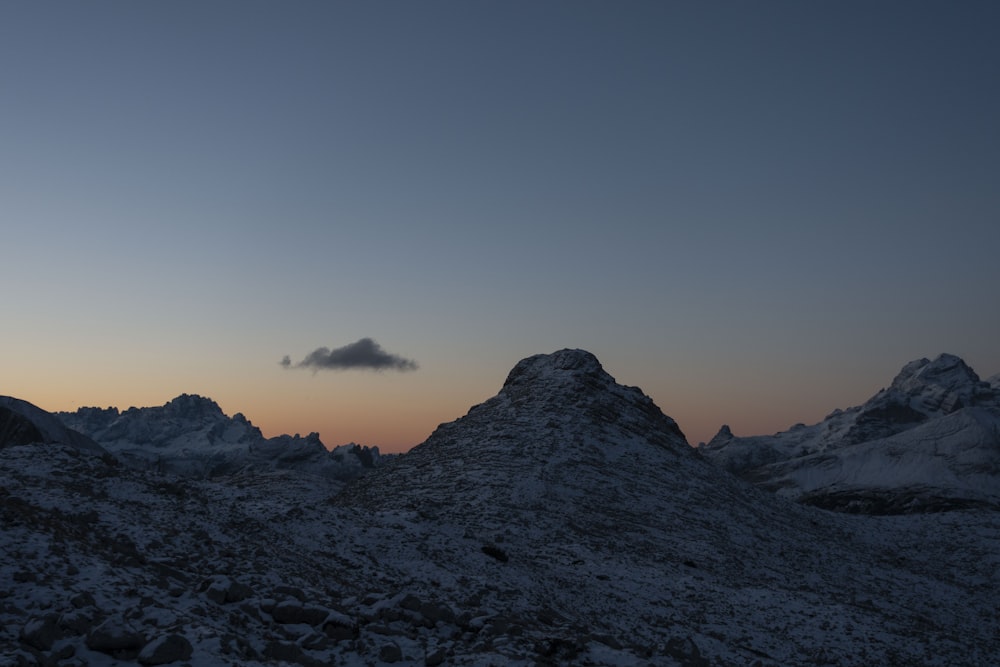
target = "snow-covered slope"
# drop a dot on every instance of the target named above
(23, 423)
(191, 436)
(929, 441)
(564, 521)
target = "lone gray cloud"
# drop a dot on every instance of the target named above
(364, 354)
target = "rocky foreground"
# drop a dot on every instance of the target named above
(564, 521)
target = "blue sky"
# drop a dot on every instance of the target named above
(757, 212)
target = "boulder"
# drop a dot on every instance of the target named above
(289, 592)
(116, 638)
(410, 602)
(437, 612)
(685, 652)
(223, 590)
(435, 657)
(78, 621)
(81, 600)
(40, 633)
(165, 650)
(339, 627)
(292, 611)
(289, 652)
(390, 652)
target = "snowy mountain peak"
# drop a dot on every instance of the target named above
(938, 387)
(564, 366)
(571, 386)
(946, 373)
(559, 429)
(932, 434)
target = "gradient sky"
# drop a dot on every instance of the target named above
(756, 212)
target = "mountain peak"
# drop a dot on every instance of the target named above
(571, 384)
(946, 370)
(942, 385)
(190, 404)
(565, 364)
(724, 435)
(558, 430)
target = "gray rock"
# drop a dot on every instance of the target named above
(78, 621)
(315, 642)
(223, 590)
(607, 640)
(435, 657)
(410, 602)
(339, 627)
(81, 600)
(40, 633)
(289, 652)
(64, 652)
(292, 611)
(437, 612)
(390, 653)
(216, 594)
(381, 629)
(238, 592)
(685, 652)
(289, 592)
(116, 638)
(165, 650)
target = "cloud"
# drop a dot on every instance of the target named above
(364, 354)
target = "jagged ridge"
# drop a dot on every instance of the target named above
(191, 436)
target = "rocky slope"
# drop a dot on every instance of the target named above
(192, 437)
(564, 521)
(930, 441)
(578, 510)
(23, 423)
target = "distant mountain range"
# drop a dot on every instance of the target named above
(930, 441)
(191, 436)
(565, 521)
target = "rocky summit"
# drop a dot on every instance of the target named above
(565, 521)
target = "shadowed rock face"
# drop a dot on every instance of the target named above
(22, 423)
(17, 430)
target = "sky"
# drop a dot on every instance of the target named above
(354, 218)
